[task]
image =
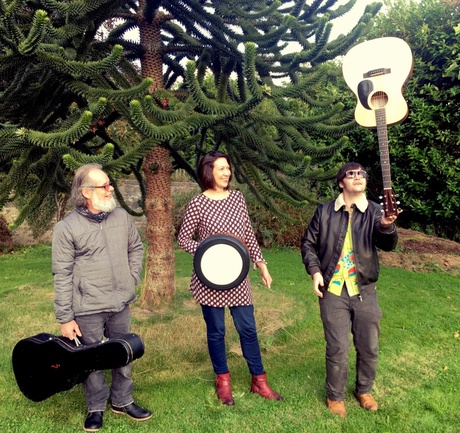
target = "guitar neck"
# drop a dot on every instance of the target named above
(382, 134)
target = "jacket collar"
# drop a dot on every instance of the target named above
(362, 203)
(91, 216)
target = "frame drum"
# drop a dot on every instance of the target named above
(221, 262)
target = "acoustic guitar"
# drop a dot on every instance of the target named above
(46, 364)
(376, 71)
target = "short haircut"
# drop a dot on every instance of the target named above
(82, 180)
(347, 167)
(206, 166)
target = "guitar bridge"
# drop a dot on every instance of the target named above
(376, 72)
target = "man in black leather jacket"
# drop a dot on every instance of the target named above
(339, 250)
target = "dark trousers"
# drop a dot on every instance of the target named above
(94, 327)
(344, 315)
(245, 324)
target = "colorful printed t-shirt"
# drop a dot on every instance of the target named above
(345, 271)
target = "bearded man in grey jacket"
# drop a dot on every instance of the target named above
(97, 256)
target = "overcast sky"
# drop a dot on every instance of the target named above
(348, 21)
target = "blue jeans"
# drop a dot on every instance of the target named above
(245, 324)
(360, 316)
(93, 328)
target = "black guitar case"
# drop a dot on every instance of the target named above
(46, 364)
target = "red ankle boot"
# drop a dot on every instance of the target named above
(260, 386)
(224, 389)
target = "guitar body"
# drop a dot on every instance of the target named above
(376, 72)
(46, 364)
(378, 69)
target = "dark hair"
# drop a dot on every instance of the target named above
(81, 180)
(348, 166)
(206, 166)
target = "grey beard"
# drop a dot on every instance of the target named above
(106, 205)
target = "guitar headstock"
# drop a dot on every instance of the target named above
(390, 204)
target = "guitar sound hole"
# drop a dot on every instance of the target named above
(379, 99)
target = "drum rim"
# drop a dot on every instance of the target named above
(227, 239)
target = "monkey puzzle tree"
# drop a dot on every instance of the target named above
(62, 87)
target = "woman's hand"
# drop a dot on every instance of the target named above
(266, 277)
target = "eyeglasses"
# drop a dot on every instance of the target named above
(355, 173)
(106, 186)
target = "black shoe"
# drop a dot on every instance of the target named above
(133, 411)
(93, 421)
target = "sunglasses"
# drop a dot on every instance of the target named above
(355, 173)
(106, 186)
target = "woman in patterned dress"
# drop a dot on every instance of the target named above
(221, 210)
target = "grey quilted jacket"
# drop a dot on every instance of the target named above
(96, 266)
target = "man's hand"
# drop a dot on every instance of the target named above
(387, 221)
(70, 330)
(318, 283)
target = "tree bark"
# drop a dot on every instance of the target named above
(159, 268)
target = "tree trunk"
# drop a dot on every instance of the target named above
(159, 269)
(6, 237)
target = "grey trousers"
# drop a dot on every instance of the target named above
(94, 327)
(343, 316)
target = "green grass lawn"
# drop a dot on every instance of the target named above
(417, 382)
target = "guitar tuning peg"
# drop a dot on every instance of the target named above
(398, 202)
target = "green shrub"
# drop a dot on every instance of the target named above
(273, 230)
(181, 198)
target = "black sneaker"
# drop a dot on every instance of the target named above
(133, 411)
(93, 421)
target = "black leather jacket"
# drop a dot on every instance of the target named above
(323, 241)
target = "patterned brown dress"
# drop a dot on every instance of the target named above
(208, 217)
